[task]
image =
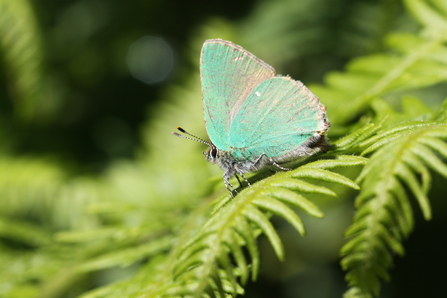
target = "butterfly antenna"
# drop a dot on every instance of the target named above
(192, 137)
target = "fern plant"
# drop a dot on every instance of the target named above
(212, 261)
(194, 240)
(215, 253)
(401, 163)
(23, 55)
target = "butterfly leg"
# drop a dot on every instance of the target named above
(245, 178)
(258, 160)
(238, 180)
(228, 185)
(278, 166)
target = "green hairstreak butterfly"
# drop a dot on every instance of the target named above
(254, 117)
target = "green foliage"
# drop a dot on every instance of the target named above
(236, 224)
(403, 154)
(22, 54)
(170, 232)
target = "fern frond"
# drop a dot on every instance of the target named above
(355, 138)
(218, 246)
(25, 233)
(22, 48)
(127, 256)
(145, 283)
(416, 61)
(400, 165)
(28, 184)
(441, 113)
(41, 188)
(412, 109)
(431, 14)
(25, 273)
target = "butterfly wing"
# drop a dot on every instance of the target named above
(278, 117)
(229, 74)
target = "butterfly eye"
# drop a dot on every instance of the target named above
(213, 152)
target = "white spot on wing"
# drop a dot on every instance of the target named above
(238, 58)
(257, 94)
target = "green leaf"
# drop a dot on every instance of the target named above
(23, 52)
(401, 157)
(349, 94)
(238, 222)
(432, 17)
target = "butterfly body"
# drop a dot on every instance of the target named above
(238, 161)
(254, 117)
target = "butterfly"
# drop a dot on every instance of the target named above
(254, 118)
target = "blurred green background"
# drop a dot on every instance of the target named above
(89, 93)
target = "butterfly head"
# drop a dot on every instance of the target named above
(212, 154)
